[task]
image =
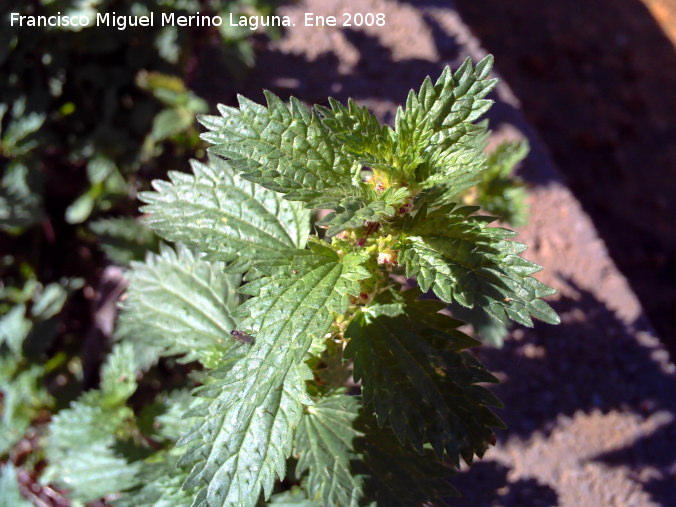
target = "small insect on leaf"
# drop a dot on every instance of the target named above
(242, 337)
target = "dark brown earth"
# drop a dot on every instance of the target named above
(590, 404)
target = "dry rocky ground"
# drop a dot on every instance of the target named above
(590, 404)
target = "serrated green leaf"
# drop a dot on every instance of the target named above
(504, 158)
(95, 472)
(291, 150)
(499, 192)
(217, 212)
(23, 395)
(420, 382)
(20, 197)
(171, 424)
(353, 213)
(314, 284)
(15, 138)
(485, 327)
(81, 444)
(160, 478)
(343, 448)
(118, 375)
(325, 446)
(80, 449)
(453, 253)
(84, 422)
(159, 485)
(282, 147)
(360, 133)
(398, 476)
(244, 435)
(178, 303)
(436, 137)
(245, 427)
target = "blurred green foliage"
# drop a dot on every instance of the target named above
(88, 116)
(500, 192)
(99, 101)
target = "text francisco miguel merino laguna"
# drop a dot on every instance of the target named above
(121, 22)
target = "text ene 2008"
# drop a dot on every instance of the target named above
(346, 19)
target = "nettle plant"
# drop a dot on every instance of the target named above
(319, 360)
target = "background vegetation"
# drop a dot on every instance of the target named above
(87, 118)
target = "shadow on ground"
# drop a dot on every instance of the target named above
(486, 484)
(377, 75)
(592, 361)
(596, 80)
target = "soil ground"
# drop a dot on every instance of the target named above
(598, 81)
(590, 404)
